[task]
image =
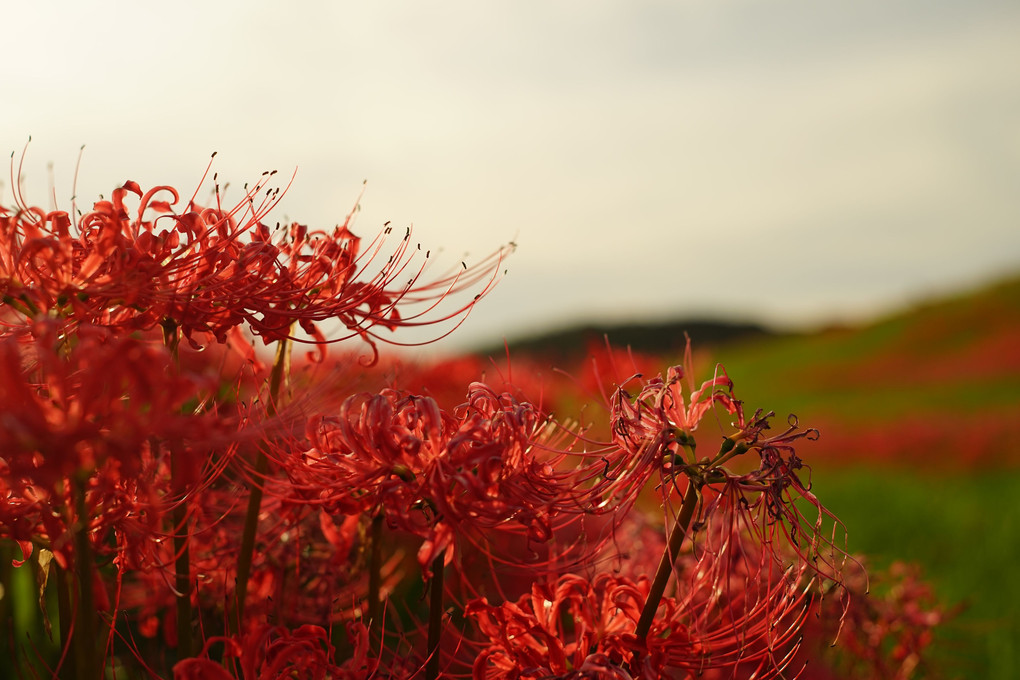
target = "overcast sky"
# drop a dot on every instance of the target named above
(791, 161)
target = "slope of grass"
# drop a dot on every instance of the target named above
(962, 530)
(940, 383)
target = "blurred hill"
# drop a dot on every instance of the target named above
(662, 339)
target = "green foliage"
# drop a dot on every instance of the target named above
(962, 529)
(956, 355)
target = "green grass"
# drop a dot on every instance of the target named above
(803, 376)
(962, 529)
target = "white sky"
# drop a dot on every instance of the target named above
(791, 161)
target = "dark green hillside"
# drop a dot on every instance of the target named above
(662, 339)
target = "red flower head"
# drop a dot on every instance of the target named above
(208, 270)
(733, 609)
(490, 468)
(89, 409)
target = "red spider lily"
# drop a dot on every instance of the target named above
(659, 414)
(493, 465)
(554, 629)
(278, 653)
(91, 423)
(78, 400)
(90, 419)
(661, 403)
(269, 653)
(91, 408)
(655, 429)
(211, 269)
(773, 495)
(275, 652)
(733, 611)
(530, 633)
(744, 602)
(886, 633)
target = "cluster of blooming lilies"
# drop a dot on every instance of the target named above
(203, 512)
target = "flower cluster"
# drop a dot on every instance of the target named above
(208, 270)
(97, 414)
(488, 471)
(205, 515)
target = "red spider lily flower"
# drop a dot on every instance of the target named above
(207, 270)
(278, 653)
(888, 630)
(744, 603)
(530, 633)
(305, 567)
(275, 652)
(90, 408)
(83, 399)
(655, 429)
(661, 410)
(491, 468)
(269, 652)
(733, 609)
(774, 498)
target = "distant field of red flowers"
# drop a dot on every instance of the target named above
(199, 483)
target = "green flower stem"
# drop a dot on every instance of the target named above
(375, 578)
(65, 586)
(729, 449)
(277, 379)
(179, 517)
(182, 567)
(669, 557)
(435, 617)
(88, 666)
